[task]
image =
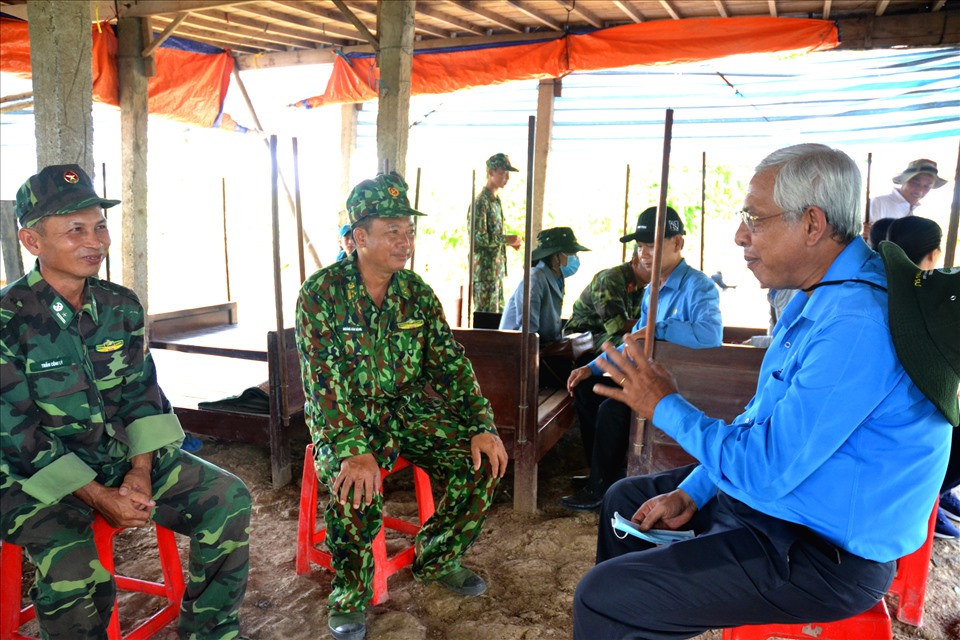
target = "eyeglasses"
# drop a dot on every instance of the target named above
(751, 221)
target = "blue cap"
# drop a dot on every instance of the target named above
(344, 230)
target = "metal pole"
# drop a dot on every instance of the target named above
(298, 209)
(226, 252)
(703, 207)
(277, 285)
(416, 205)
(473, 226)
(103, 175)
(626, 208)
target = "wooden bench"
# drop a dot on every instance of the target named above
(719, 381)
(197, 361)
(529, 426)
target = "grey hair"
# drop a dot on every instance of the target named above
(816, 175)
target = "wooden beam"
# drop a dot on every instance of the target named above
(577, 7)
(628, 9)
(722, 10)
(941, 29)
(166, 33)
(456, 23)
(938, 5)
(149, 62)
(145, 8)
(773, 8)
(287, 24)
(240, 43)
(536, 14)
(335, 22)
(326, 56)
(362, 28)
(669, 9)
(882, 7)
(492, 16)
(254, 29)
(826, 9)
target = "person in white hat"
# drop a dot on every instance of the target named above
(911, 186)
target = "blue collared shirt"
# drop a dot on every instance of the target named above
(688, 311)
(837, 437)
(546, 300)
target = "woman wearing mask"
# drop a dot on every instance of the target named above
(554, 258)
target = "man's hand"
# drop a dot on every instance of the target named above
(644, 383)
(491, 445)
(136, 483)
(577, 376)
(513, 241)
(130, 510)
(666, 511)
(360, 474)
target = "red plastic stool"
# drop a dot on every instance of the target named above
(12, 616)
(909, 585)
(309, 535)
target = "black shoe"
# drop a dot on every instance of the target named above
(347, 626)
(587, 499)
(578, 482)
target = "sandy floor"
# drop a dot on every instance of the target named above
(532, 564)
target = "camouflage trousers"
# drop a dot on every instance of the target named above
(74, 594)
(431, 439)
(487, 295)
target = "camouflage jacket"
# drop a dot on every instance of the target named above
(608, 306)
(362, 364)
(489, 248)
(78, 389)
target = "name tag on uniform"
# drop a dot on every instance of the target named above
(410, 324)
(108, 345)
(347, 329)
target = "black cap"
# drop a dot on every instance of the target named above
(647, 222)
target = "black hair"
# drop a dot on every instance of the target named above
(915, 235)
(878, 232)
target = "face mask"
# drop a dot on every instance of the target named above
(573, 263)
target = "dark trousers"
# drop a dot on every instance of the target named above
(744, 567)
(952, 478)
(604, 430)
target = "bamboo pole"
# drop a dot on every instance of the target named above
(866, 207)
(277, 284)
(416, 206)
(949, 254)
(473, 226)
(298, 209)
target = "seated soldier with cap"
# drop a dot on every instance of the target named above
(688, 313)
(346, 242)
(383, 378)
(84, 431)
(553, 260)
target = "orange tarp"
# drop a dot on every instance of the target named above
(188, 86)
(355, 78)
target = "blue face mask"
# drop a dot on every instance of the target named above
(573, 263)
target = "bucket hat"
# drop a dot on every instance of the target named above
(924, 310)
(556, 240)
(57, 190)
(917, 167)
(647, 223)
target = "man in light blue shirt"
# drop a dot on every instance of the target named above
(688, 313)
(803, 503)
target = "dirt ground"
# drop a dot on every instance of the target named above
(532, 564)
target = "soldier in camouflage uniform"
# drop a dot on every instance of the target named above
(83, 430)
(610, 304)
(373, 338)
(489, 242)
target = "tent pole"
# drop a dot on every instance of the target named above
(277, 285)
(298, 209)
(866, 208)
(703, 207)
(949, 254)
(473, 226)
(626, 209)
(416, 205)
(103, 175)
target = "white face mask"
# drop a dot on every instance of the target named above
(573, 263)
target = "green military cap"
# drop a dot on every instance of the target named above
(556, 240)
(382, 197)
(500, 161)
(57, 190)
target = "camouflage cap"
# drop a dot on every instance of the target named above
(382, 197)
(57, 190)
(500, 161)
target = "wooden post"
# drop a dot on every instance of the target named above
(298, 209)
(226, 248)
(395, 60)
(626, 213)
(866, 208)
(9, 242)
(280, 473)
(949, 254)
(416, 206)
(639, 425)
(470, 259)
(524, 453)
(541, 150)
